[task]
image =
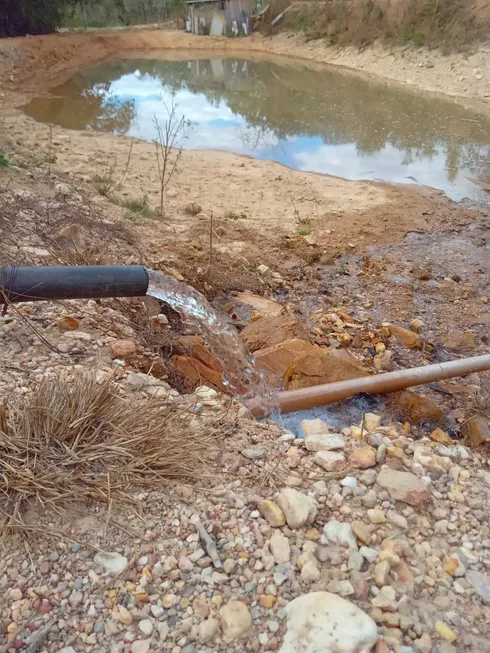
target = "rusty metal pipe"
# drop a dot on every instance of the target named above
(329, 393)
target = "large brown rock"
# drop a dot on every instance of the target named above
(477, 430)
(403, 486)
(415, 407)
(302, 365)
(409, 338)
(197, 364)
(272, 330)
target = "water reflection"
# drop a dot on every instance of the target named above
(317, 120)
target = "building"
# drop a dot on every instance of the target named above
(219, 17)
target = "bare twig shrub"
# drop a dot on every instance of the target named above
(168, 145)
(83, 441)
(107, 182)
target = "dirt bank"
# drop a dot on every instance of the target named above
(32, 64)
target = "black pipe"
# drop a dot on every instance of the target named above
(31, 284)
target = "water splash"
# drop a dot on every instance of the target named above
(240, 375)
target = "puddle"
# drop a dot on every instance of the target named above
(310, 119)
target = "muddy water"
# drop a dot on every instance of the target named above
(315, 119)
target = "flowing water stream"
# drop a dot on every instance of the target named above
(308, 117)
(240, 373)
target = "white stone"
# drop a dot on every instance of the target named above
(298, 508)
(310, 572)
(324, 442)
(146, 626)
(280, 549)
(208, 630)
(157, 611)
(349, 481)
(339, 534)
(205, 394)
(235, 620)
(331, 461)
(67, 649)
(140, 646)
(325, 622)
(113, 563)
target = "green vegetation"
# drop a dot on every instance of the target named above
(139, 206)
(446, 24)
(4, 161)
(19, 17)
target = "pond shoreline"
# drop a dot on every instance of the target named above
(31, 65)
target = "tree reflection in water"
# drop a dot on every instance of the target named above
(291, 112)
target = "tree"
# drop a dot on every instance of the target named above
(19, 17)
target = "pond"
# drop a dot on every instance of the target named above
(309, 118)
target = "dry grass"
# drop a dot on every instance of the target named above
(192, 209)
(82, 441)
(448, 25)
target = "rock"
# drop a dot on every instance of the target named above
(341, 587)
(312, 427)
(383, 361)
(300, 364)
(330, 461)
(403, 486)
(254, 453)
(477, 430)
(196, 363)
(267, 600)
(113, 563)
(339, 534)
(460, 341)
(298, 508)
(146, 626)
(376, 516)
(321, 621)
(481, 583)
(67, 323)
(123, 349)
(415, 407)
(205, 393)
(263, 269)
(140, 646)
(75, 598)
(453, 566)
(371, 422)
(273, 330)
(409, 338)
(123, 615)
(363, 458)
(280, 549)
(262, 305)
(386, 599)
(417, 325)
(235, 620)
(381, 454)
(208, 630)
(381, 573)
(445, 632)
(361, 531)
(319, 442)
(16, 594)
(438, 435)
(369, 554)
(310, 572)
(67, 649)
(272, 513)
(349, 481)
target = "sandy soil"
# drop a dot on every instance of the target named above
(32, 64)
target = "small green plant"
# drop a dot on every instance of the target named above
(139, 206)
(192, 209)
(4, 161)
(304, 226)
